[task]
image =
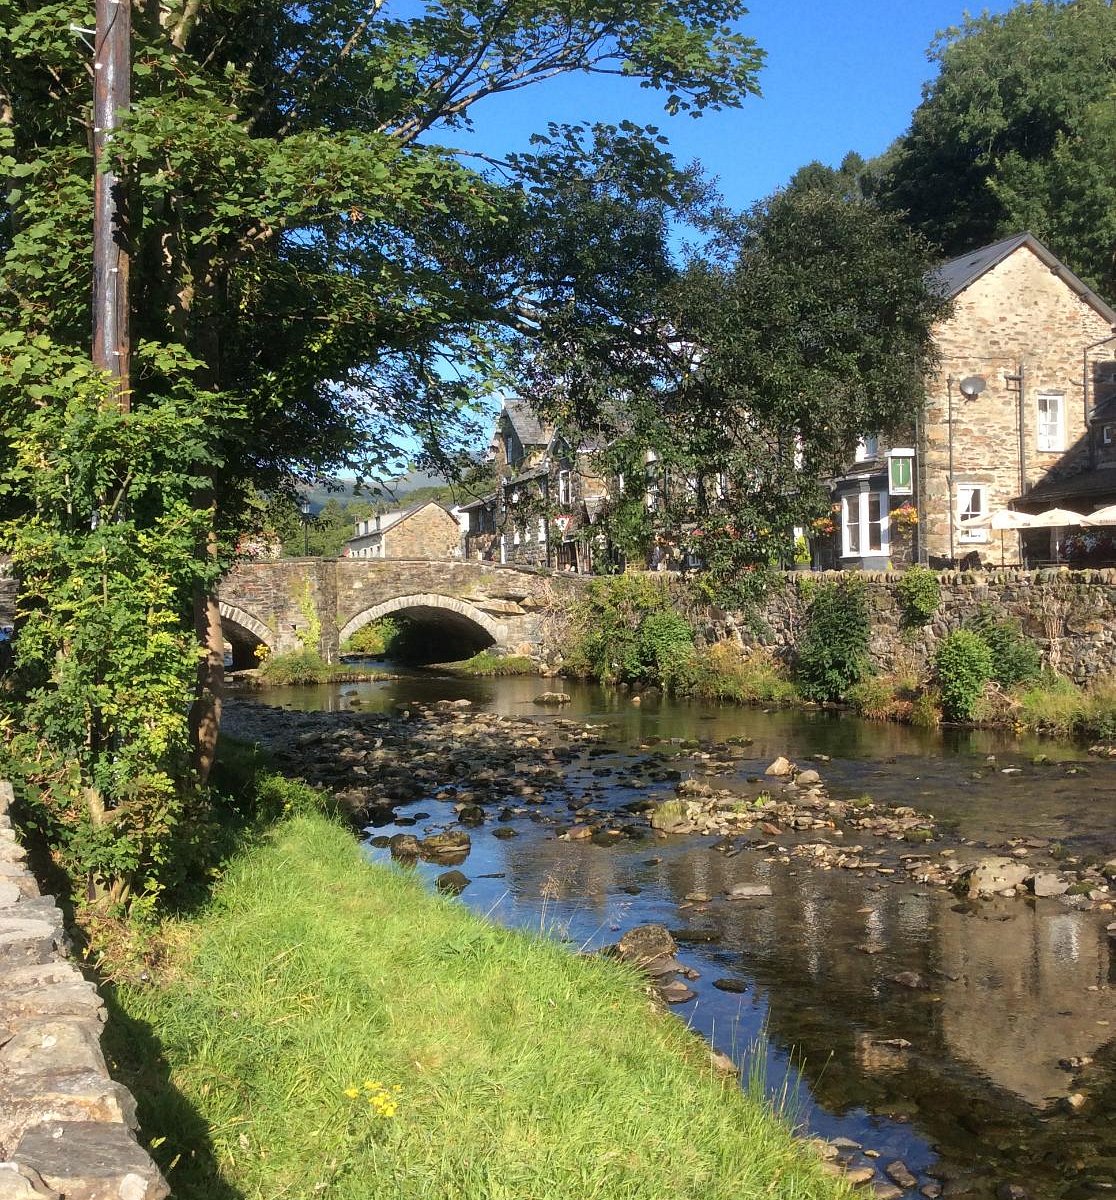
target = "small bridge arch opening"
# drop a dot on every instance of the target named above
(437, 628)
(244, 634)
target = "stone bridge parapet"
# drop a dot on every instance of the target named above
(318, 603)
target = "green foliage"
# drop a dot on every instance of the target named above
(727, 672)
(105, 550)
(1020, 120)
(962, 665)
(919, 594)
(487, 663)
(295, 667)
(628, 630)
(374, 639)
(832, 651)
(1015, 657)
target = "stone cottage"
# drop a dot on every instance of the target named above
(425, 531)
(1019, 405)
(549, 496)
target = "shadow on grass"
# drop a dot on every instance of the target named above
(176, 1134)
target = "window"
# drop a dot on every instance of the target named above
(864, 524)
(867, 448)
(542, 530)
(565, 488)
(972, 500)
(1107, 435)
(1051, 421)
(900, 472)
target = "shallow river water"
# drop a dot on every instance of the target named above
(965, 1081)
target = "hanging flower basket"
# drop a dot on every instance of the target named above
(905, 516)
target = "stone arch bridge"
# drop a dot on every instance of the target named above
(292, 603)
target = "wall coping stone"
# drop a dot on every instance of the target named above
(67, 1130)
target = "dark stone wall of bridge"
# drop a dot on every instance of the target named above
(292, 603)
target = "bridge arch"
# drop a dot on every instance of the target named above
(244, 633)
(429, 608)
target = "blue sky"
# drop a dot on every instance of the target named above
(840, 75)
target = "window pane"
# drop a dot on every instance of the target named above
(850, 517)
(875, 520)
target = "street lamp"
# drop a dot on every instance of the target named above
(304, 509)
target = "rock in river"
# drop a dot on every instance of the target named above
(993, 875)
(449, 847)
(645, 944)
(748, 891)
(453, 883)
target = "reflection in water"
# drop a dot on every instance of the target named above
(958, 1074)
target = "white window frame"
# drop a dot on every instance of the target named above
(965, 492)
(1050, 433)
(565, 488)
(542, 530)
(859, 504)
(1107, 434)
(895, 488)
(867, 448)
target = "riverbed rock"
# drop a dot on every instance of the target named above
(453, 883)
(748, 891)
(993, 875)
(404, 845)
(899, 1173)
(807, 778)
(646, 944)
(780, 768)
(553, 698)
(1046, 883)
(449, 847)
(676, 992)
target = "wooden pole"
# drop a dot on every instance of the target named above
(112, 70)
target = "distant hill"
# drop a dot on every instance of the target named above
(391, 492)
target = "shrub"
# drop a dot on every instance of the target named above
(295, 667)
(873, 698)
(665, 642)
(925, 713)
(919, 594)
(374, 639)
(963, 664)
(833, 649)
(487, 663)
(1015, 657)
(725, 671)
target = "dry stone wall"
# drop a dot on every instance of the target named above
(67, 1131)
(1071, 614)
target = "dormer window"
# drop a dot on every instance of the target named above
(565, 488)
(867, 449)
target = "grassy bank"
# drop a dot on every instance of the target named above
(486, 663)
(326, 1028)
(301, 667)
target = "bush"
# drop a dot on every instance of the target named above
(1015, 657)
(665, 643)
(873, 698)
(919, 594)
(295, 667)
(374, 639)
(725, 671)
(487, 663)
(833, 649)
(963, 664)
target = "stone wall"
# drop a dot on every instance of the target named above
(428, 533)
(67, 1131)
(1071, 614)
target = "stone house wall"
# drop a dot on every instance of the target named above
(1017, 318)
(428, 533)
(1071, 614)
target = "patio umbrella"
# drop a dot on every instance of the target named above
(1001, 519)
(1103, 516)
(1057, 518)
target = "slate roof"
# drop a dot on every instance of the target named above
(1097, 485)
(528, 428)
(954, 276)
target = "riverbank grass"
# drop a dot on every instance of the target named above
(484, 662)
(325, 1027)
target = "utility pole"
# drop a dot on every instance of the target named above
(112, 70)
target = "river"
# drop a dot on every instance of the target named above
(966, 1080)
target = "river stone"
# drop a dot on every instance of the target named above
(1012, 1191)
(404, 845)
(645, 944)
(748, 891)
(454, 844)
(909, 979)
(1046, 883)
(731, 985)
(553, 698)
(578, 833)
(806, 778)
(992, 875)
(856, 1175)
(898, 1172)
(887, 1191)
(453, 883)
(676, 992)
(780, 767)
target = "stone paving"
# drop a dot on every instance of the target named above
(67, 1131)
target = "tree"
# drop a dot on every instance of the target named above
(1018, 131)
(804, 327)
(317, 283)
